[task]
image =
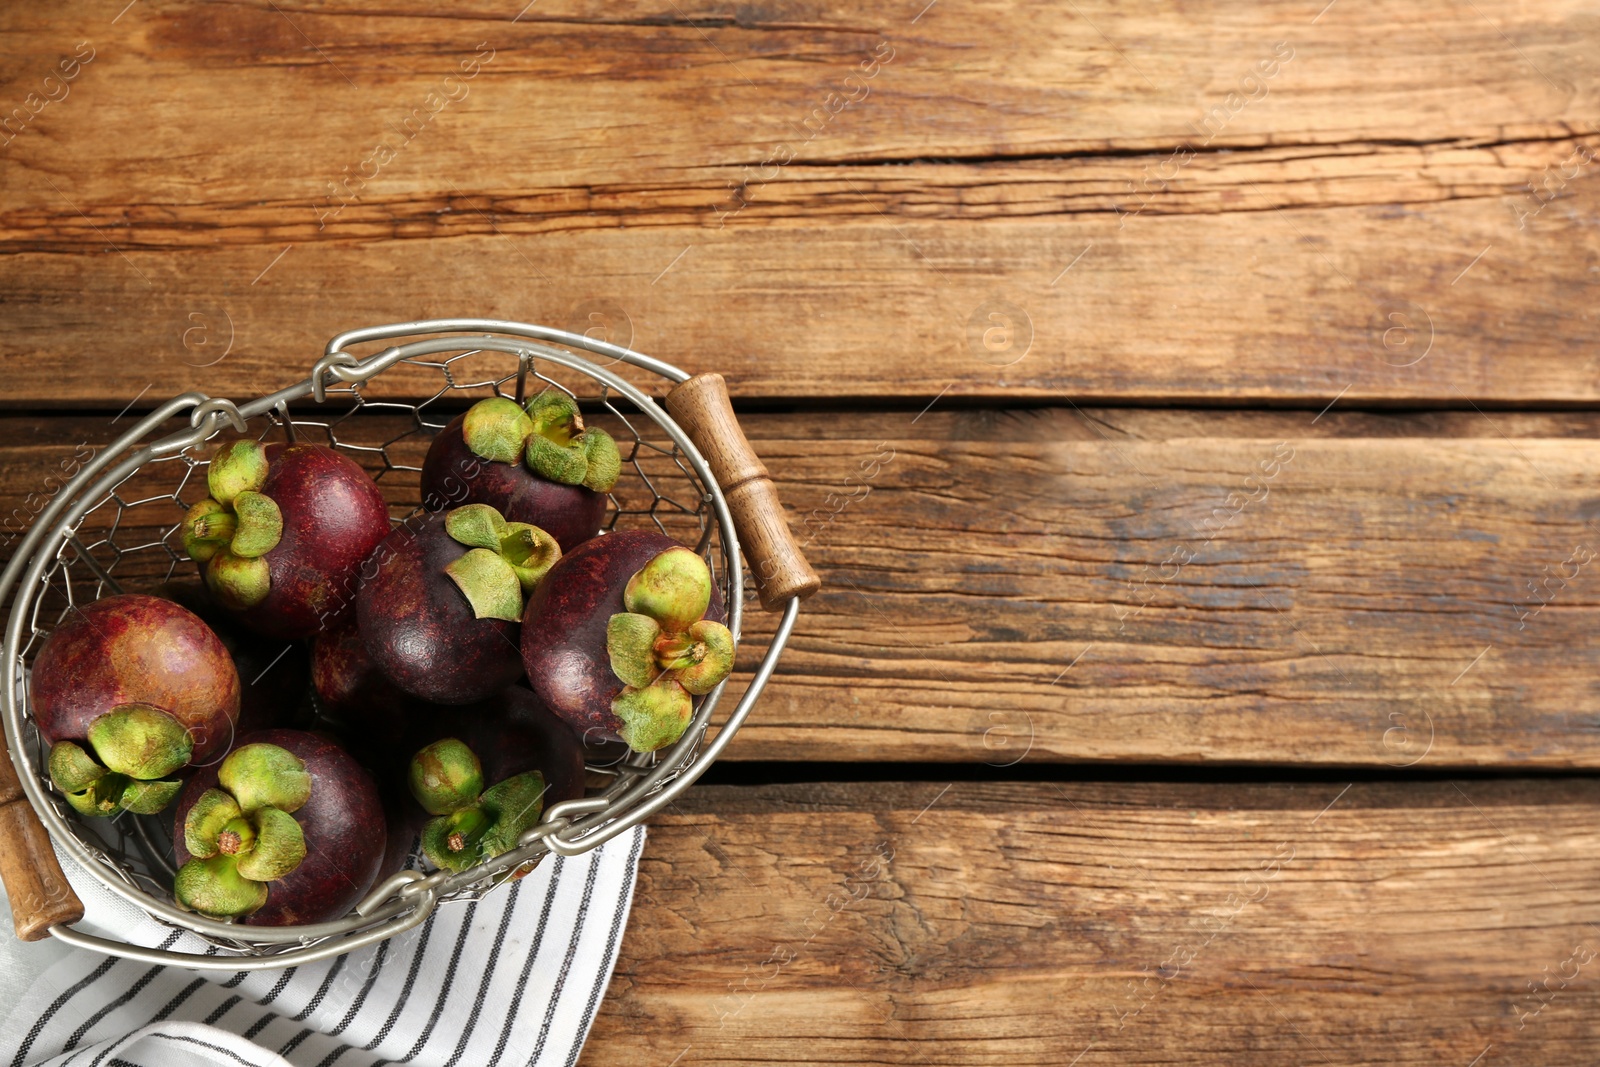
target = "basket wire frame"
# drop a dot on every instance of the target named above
(117, 527)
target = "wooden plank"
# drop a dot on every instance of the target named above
(581, 89)
(1120, 923)
(1164, 599)
(1131, 586)
(613, 162)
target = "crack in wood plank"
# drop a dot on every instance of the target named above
(1326, 177)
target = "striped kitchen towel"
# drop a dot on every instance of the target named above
(515, 978)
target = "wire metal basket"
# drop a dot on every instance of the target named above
(115, 527)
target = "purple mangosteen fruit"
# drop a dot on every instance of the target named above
(126, 691)
(473, 821)
(441, 599)
(283, 534)
(355, 694)
(274, 676)
(514, 732)
(511, 733)
(537, 465)
(621, 636)
(343, 675)
(287, 830)
(555, 750)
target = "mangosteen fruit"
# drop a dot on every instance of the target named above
(350, 688)
(512, 733)
(621, 636)
(274, 675)
(287, 830)
(126, 691)
(539, 465)
(472, 823)
(283, 533)
(441, 599)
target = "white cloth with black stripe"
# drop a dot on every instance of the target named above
(515, 978)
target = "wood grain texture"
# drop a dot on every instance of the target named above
(1127, 923)
(1401, 211)
(1120, 598)
(1129, 586)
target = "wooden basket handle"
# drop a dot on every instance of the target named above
(701, 406)
(40, 895)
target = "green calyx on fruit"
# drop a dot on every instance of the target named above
(487, 828)
(563, 450)
(548, 435)
(262, 775)
(140, 741)
(530, 551)
(230, 531)
(279, 847)
(208, 527)
(451, 842)
(72, 769)
(116, 793)
(238, 582)
(504, 562)
(497, 429)
(702, 655)
(260, 525)
(134, 748)
(473, 824)
(631, 644)
(251, 528)
(215, 887)
(653, 716)
(203, 826)
(238, 466)
(241, 836)
(664, 650)
(149, 798)
(489, 584)
(446, 776)
(514, 807)
(674, 589)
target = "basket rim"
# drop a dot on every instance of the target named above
(402, 900)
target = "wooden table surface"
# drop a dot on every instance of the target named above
(1208, 671)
